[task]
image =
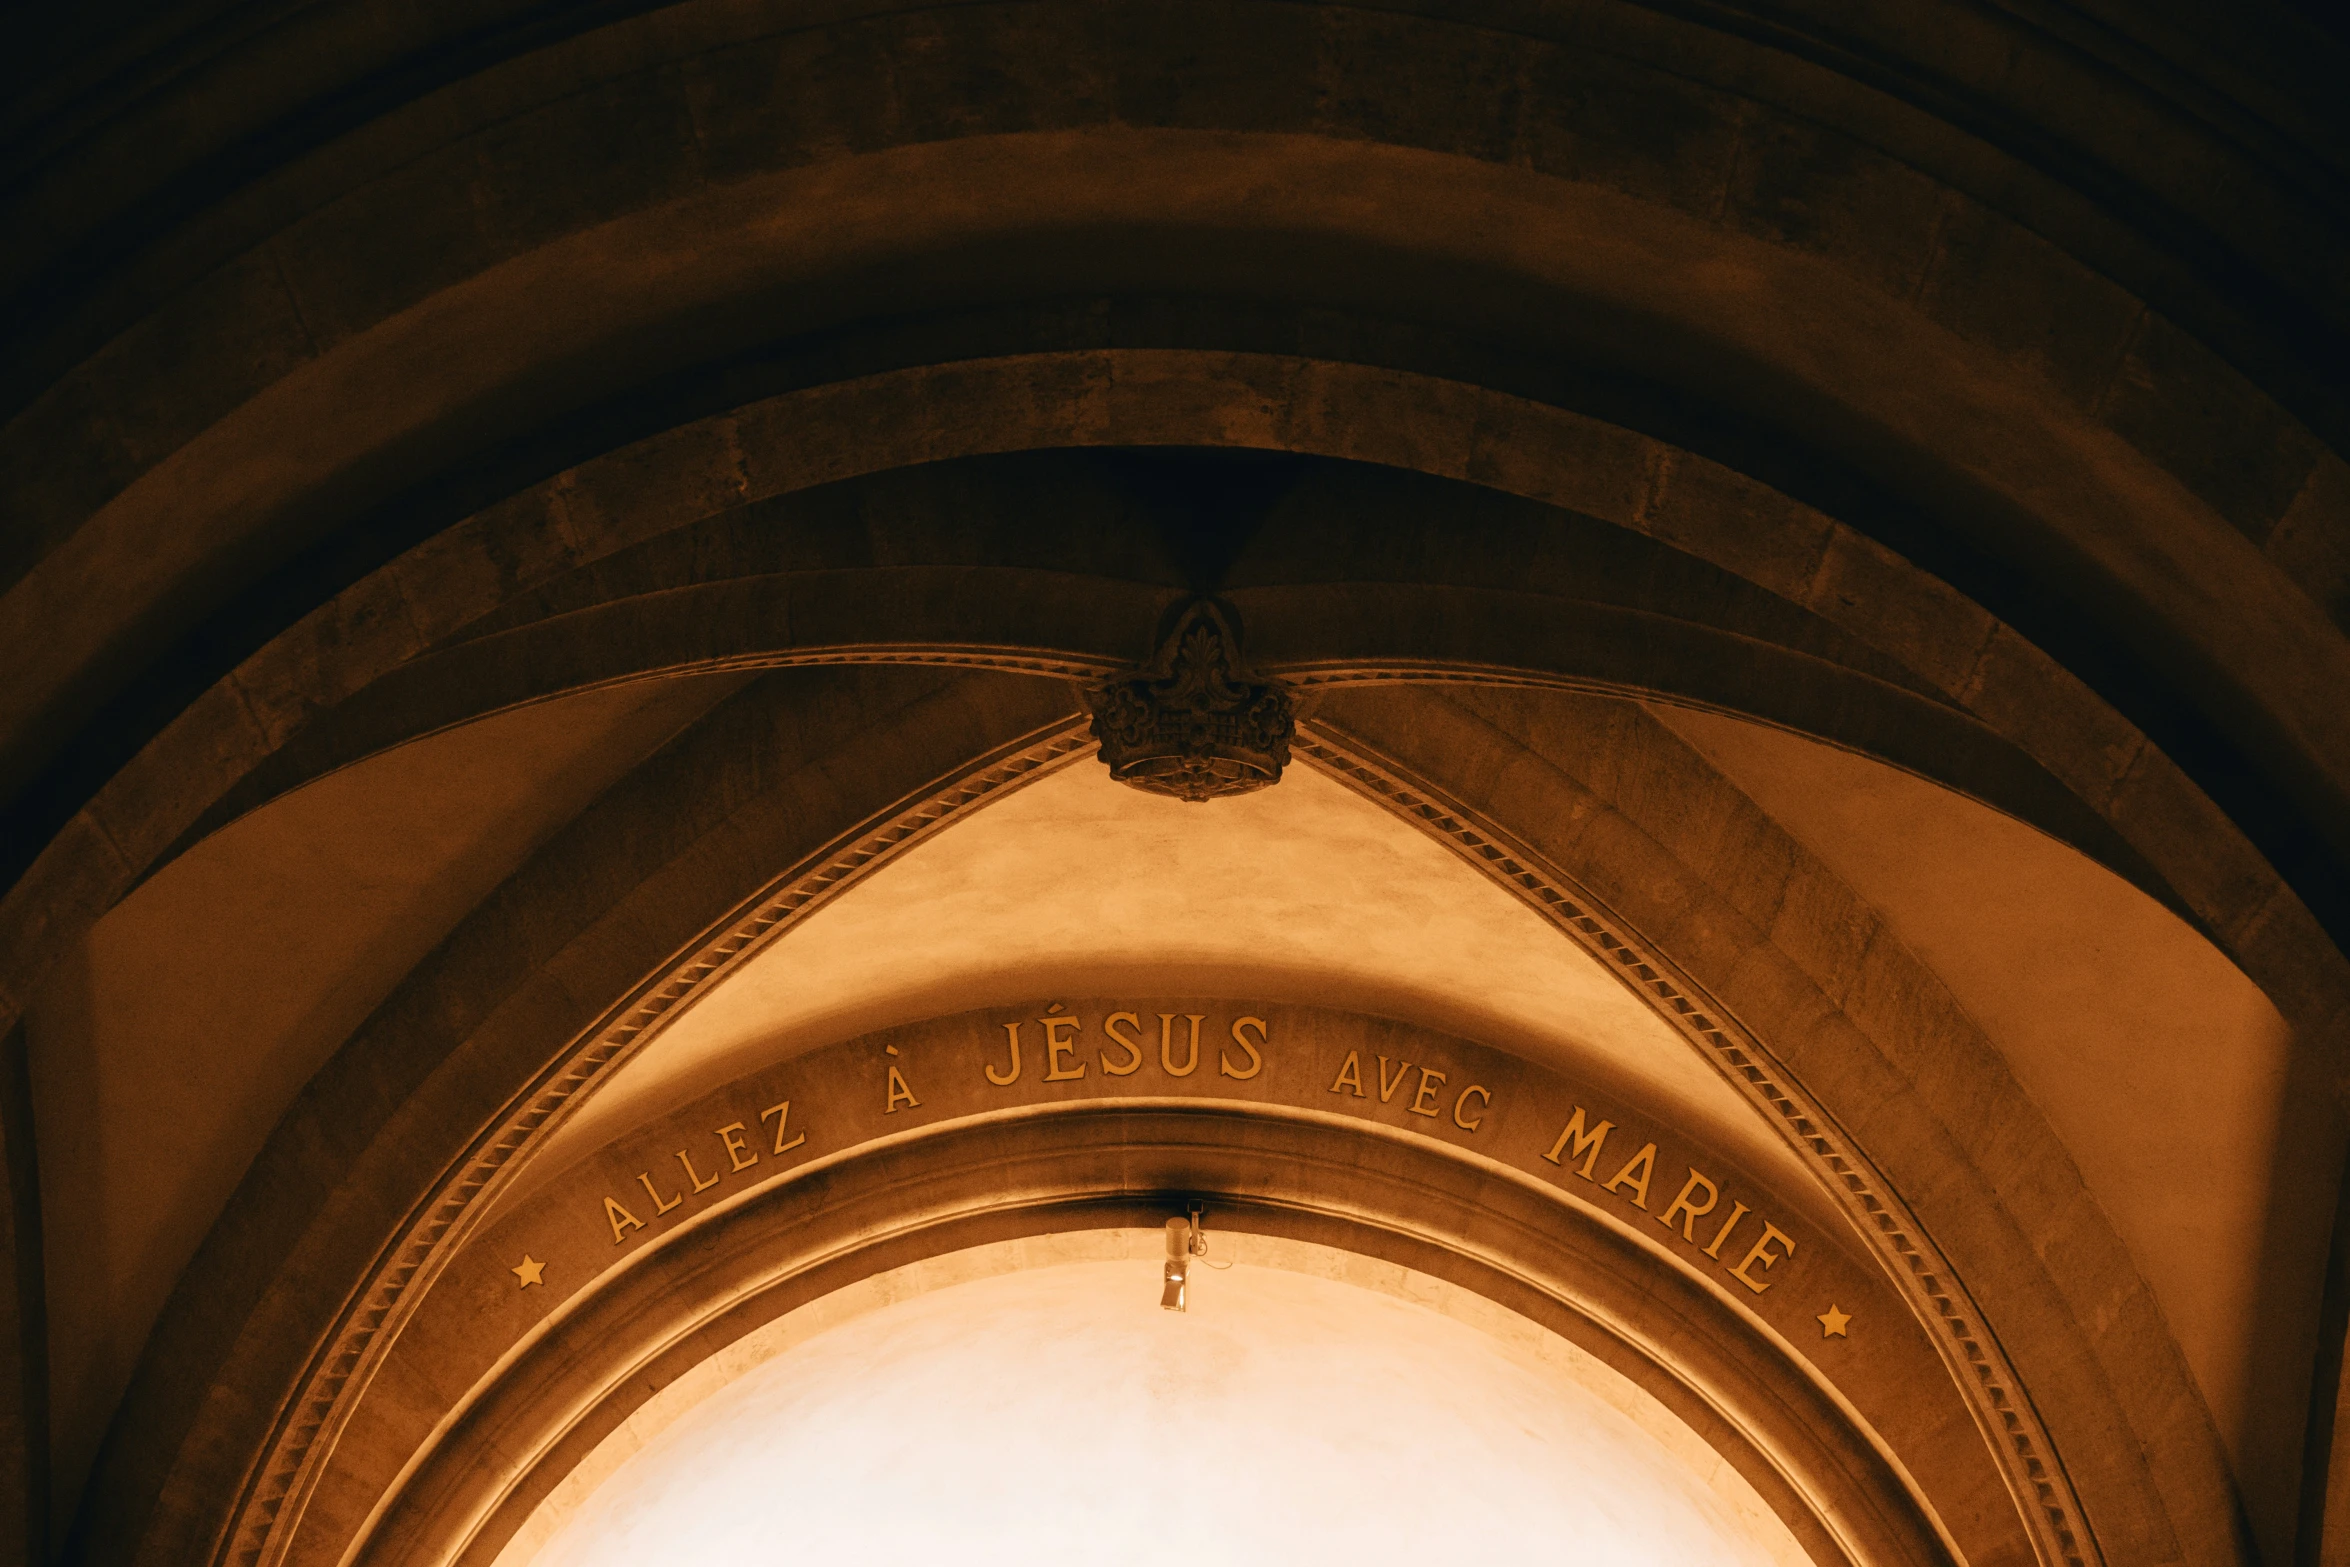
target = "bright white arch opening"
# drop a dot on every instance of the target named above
(1029, 1402)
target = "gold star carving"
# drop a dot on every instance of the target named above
(1834, 1322)
(529, 1270)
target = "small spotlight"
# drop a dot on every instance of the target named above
(1178, 1265)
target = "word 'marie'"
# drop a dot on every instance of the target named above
(1580, 1148)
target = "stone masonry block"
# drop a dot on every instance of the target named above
(2036, 703)
(587, 157)
(1801, 185)
(326, 656)
(388, 244)
(77, 878)
(511, 548)
(1823, 928)
(1893, 606)
(1231, 66)
(651, 487)
(1609, 121)
(1707, 824)
(200, 356)
(1997, 284)
(167, 787)
(1562, 459)
(61, 458)
(2311, 543)
(991, 70)
(1739, 525)
(2203, 854)
(781, 101)
(2190, 411)
(1390, 417)
(1377, 76)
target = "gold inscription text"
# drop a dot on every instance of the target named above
(1130, 1043)
(1256, 1059)
(782, 1114)
(645, 1178)
(1645, 1162)
(1007, 1079)
(1737, 1212)
(693, 1178)
(1586, 1145)
(1167, 1044)
(1350, 1075)
(1761, 1252)
(738, 1153)
(1691, 1212)
(1056, 1045)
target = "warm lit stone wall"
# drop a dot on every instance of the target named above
(1956, 388)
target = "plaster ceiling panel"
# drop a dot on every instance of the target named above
(2209, 1140)
(166, 1049)
(1076, 886)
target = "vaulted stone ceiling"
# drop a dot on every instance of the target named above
(320, 901)
(555, 557)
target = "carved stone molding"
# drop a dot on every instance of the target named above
(271, 1506)
(2011, 1427)
(1190, 723)
(1269, 1168)
(269, 1511)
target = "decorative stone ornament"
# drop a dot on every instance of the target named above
(1188, 723)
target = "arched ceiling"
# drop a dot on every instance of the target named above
(1077, 885)
(2175, 1085)
(553, 551)
(1308, 892)
(217, 991)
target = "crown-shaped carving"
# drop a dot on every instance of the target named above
(1189, 723)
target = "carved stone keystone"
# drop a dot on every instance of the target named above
(1189, 723)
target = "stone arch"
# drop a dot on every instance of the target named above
(598, 1360)
(2109, 480)
(1948, 651)
(1937, 345)
(373, 1173)
(1859, 1023)
(411, 1196)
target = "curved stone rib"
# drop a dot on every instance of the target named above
(270, 1508)
(2011, 1427)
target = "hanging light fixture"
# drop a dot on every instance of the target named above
(1172, 1296)
(1186, 1239)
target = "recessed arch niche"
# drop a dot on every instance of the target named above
(1295, 1123)
(1271, 1181)
(1310, 1401)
